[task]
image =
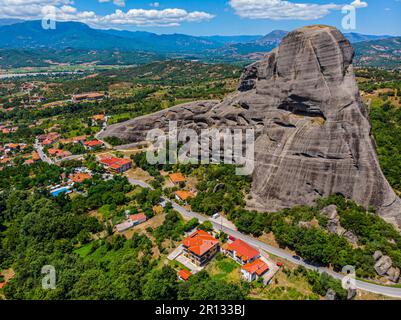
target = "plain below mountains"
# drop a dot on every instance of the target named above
(71, 37)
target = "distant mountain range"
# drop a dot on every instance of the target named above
(29, 35)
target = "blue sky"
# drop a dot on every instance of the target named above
(209, 17)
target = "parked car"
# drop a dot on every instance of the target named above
(216, 215)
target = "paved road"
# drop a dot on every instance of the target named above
(362, 285)
(39, 149)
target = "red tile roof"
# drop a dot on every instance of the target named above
(242, 250)
(184, 195)
(258, 266)
(93, 143)
(115, 162)
(200, 242)
(177, 177)
(184, 274)
(138, 217)
(98, 117)
(80, 177)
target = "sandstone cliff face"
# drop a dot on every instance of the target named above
(312, 130)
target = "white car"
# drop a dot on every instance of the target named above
(216, 215)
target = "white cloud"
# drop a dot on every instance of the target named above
(285, 10)
(155, 4)
(65, 11)
(120, 3)
(359, 4)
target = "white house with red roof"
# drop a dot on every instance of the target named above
(118, 165)
(254, 270)
(241, 252)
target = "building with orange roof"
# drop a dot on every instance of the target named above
(177, 178)
(200, 247)
(91, 96)
(58, 153)
(184, 274)
(254, 270)
(93, 144)
(241, 252)
(118, 165)
(29, 162)
(79, 139)
(35, 156)
(138, 218)
(5, 160)
(80, 177)
(99, 117)
(184, 195)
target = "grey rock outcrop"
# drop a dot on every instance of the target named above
(312, 130)
(334, 225)
(330, 212)
(384, 267)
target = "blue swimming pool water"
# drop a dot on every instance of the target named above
(56, 192)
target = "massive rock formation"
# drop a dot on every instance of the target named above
(312, 130)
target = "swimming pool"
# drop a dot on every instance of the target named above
(58, 191)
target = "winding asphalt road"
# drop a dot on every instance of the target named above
(361, 285)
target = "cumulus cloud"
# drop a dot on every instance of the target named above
(155, 4)
(285, 10)
(65, 11)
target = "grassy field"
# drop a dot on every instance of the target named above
(224, 268)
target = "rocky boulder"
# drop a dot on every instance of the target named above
(384, 267)
(313, 137)
(334, 225)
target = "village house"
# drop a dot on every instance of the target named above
(184, 274)
(177, 178)
(183, 195)
(27, 87)
(124, 226)
(50, 138)
(35, 156)
(79, 177)
(254, 270)
(28, 162)
(79, 139)
(91, 96)
(241, 252)
(58, 154)
(138, 218)
(5, 161)
(37, 99)
(98, 118)
(93, 144)
(118, 165)
(200, 247)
